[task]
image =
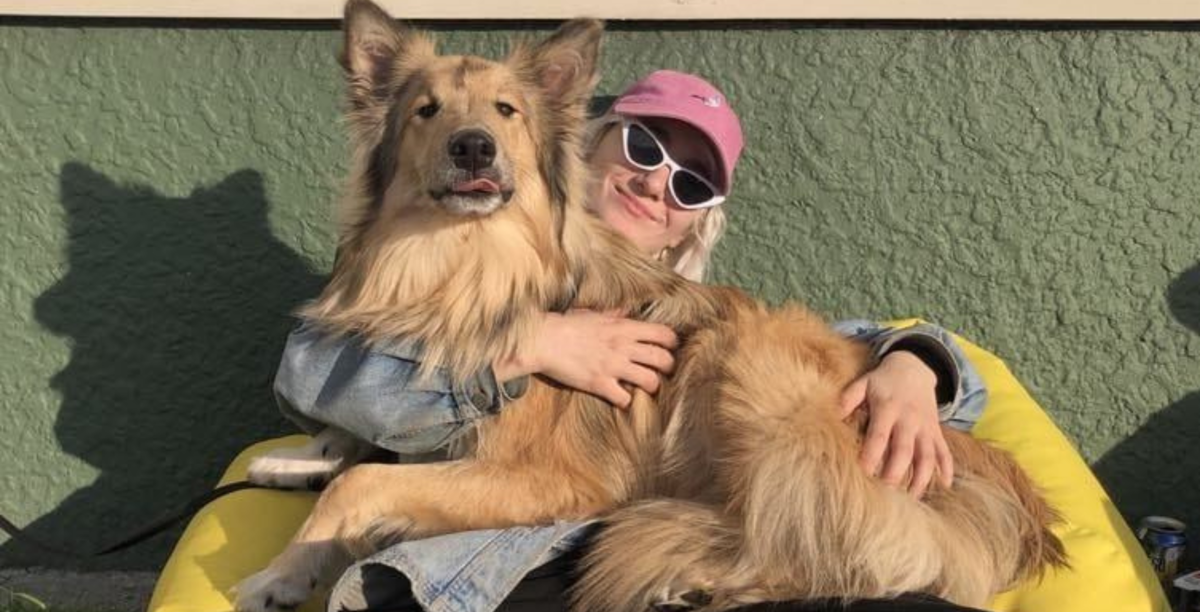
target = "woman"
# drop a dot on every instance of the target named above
(663, 160)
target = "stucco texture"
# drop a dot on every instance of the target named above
(168, 188)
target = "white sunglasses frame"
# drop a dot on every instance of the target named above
(717, 199)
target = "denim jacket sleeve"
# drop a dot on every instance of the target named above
(962, 395)
(375, 393)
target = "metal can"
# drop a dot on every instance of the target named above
(1164, 540)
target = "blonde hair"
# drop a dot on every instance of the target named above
(690, 257)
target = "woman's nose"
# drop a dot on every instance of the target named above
(654, 182)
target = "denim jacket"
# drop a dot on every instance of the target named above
(375, 394)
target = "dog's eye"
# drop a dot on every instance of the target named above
(506, 109)
(429, 110)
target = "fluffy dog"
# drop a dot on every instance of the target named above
(464, 220)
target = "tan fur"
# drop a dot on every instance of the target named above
(751, 486)
(785, 511)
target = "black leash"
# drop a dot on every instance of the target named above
(140, 535)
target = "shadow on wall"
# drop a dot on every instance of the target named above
(1170, 437)
(176, 310)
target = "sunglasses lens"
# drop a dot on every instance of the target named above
(642, 147)
(690, 190)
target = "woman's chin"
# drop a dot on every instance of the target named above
(624, 224)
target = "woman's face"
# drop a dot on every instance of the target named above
(638, 203)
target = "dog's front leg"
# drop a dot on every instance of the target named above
(372, 504)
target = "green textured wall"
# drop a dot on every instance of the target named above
(167, 193)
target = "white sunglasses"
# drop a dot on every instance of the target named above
(689, 188)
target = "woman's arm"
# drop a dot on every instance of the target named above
(961, 394)
(374, 392)
(596, 352)
(920, 380)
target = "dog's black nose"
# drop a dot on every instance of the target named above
(472, 150)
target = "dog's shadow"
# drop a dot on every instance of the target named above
(1170, 437)
(176, 310)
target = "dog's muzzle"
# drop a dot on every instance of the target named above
(474, 185)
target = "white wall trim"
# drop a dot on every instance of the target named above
(1037, 10)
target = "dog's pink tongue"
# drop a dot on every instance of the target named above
(476, 185)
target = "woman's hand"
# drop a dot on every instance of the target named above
(595, 352)
(900, 396)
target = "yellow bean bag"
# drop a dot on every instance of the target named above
(237, 535)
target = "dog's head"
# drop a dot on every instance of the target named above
(463, 134)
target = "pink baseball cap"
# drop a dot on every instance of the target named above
(691, 99)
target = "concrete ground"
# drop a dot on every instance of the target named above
(79, 592)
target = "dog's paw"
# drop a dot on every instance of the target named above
(311, 466)
(294, 468)
(270, 591)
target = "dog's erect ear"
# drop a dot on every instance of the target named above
(565, 64)
(563, 68)
(374, 44)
